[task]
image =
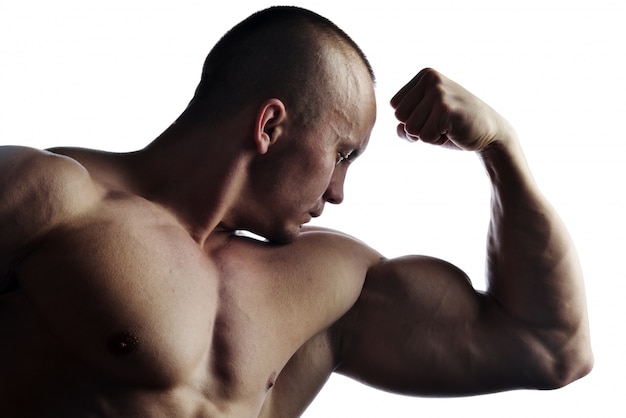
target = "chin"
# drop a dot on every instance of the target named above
(284, 238)
(278, 233)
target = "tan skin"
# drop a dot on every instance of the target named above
(136, 299)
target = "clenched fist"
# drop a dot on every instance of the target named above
(436, 110)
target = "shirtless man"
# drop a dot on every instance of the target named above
(126, 291)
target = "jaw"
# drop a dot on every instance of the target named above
(286, 236)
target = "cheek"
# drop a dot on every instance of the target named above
(310, 186)
(310, 178)
(324, 179)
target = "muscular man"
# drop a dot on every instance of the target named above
(127, 291)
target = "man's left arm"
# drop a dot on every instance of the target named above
(419, 326)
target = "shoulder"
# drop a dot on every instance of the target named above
(23, 167)
(336, 263)
(38, 190)
(42, 177)
(322, 268)
(316, 245)
(332, 237)
(336, 249)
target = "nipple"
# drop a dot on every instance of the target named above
(271, 381)
(123, 343)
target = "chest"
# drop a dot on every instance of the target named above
(140, 302)
(124, 295)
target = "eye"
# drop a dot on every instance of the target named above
(341, 157)
(344, 157)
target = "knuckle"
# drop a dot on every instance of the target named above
(432, 76)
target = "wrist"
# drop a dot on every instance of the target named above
(505, 162)
(505, 137)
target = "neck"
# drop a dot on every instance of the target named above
(197, 177)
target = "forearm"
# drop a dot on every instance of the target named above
(534, 318)
(533, 269)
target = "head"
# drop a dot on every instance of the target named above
(276, 52)
(306, 92)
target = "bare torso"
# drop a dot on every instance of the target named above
(119, 312)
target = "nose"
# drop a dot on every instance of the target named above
(334, 192)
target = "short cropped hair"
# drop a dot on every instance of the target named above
(276, 52)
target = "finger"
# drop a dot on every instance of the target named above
(402, 133)
(411, 101)
(400, 95)
(432, 130)
(414, 123)
(437, 130)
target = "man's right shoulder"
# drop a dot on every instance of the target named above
(48, 178)
(38, 191)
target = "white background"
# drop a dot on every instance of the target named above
(114, 74)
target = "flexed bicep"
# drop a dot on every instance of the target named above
(420, 328)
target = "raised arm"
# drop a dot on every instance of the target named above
(419, 327)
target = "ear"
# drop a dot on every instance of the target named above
(268, 124)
